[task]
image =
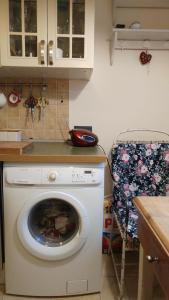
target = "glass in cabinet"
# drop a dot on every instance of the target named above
(47, 33)
(24, 27)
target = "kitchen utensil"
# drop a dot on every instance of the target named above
(13, 98)
(41, 105)
(3, 100)
(30, 104)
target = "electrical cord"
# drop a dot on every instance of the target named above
(111, 174)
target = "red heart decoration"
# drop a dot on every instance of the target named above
(145, 57)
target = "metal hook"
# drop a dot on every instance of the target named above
(146, 44)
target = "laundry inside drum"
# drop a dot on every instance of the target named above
(53, 222)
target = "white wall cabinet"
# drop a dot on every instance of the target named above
(153, 16)
(52, 35)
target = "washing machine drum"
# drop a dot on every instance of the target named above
(53, 226)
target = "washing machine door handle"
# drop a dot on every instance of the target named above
(46, 212)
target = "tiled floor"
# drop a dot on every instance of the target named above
(109, 287)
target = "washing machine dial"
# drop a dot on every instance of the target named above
(52, 176)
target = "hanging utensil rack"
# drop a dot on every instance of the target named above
(41, 84)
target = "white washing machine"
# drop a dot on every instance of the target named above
(53, 228)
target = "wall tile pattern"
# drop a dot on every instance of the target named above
(54, 122)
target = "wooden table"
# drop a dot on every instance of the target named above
(153, 230)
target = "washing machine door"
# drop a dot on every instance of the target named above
(53, 226)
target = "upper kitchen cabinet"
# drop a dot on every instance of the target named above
(54, 37)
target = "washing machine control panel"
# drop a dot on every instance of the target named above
(55, 175)
(85, 176)
(70, 175)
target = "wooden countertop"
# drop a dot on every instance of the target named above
(155, 211)
(60, 152)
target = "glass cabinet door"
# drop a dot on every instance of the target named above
(23, 28)
(15, 28)
(78, 28)
(71, 27)
(25, 25)
(63, 16)
(71, 32)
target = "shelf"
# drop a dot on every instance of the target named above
(142, 34)
(139, 39)
(141, 4)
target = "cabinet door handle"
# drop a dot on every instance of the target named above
(42, 52)
(50, 52)
(152, 259)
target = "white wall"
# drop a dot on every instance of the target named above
(125, 95)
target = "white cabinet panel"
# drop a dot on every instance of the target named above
(47, 34)
(20, 43)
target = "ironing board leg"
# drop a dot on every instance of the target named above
(123, 259)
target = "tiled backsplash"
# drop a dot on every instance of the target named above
(53, 124)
